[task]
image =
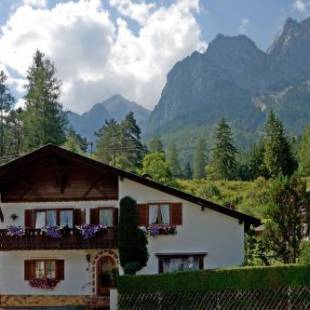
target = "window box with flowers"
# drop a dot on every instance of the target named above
(44, 273)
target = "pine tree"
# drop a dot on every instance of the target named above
(304, 153)
(44, 120)
(188, 173)
(289, 203)
(172, 157)
(155, 145)
(6, 103)
(200, 160)
(224, 153)
(278, 158)
(75, 142)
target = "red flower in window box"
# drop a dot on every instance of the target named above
(45, 284)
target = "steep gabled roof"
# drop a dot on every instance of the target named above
(8, 170)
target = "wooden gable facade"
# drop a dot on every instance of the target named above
(52, 174)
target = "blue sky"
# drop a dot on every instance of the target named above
(103, 47)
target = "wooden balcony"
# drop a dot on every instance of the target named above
(36, 239)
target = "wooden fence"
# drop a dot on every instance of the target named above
(294, 298)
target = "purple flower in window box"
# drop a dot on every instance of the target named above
(15, 231)
(154, 231)
(45, 284)
(162, 230)
(53, 231)
(89, 231)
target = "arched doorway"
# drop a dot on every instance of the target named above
(105, 275)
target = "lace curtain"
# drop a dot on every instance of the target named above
(40, 219)
(153, 214)
(180, 264)
(106, 217)
(165, 214)
(66, 218)
(51, 219)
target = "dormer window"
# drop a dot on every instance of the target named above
(159, 214)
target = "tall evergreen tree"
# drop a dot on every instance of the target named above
(6, 103)
(43, 119)
(289, 203)
(224, 153)
(304, 153)
(200, 160)
(75, 142)
(188, 173)
(172, 157)
(278, 157)
(155, 145)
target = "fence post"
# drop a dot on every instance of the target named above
(289, 302)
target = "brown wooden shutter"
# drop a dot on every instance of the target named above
(29, 269)
(176, 213)
(115, 216)
(60, 269)
(29, 218)
(78, 217)
(143, 214)
(94, 216)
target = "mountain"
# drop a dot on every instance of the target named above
(116, 107)
(236, 80)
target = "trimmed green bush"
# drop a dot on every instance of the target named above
(206, 280)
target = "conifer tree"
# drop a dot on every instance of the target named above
(278, 157)
(304, 153)
(188, 173)
(172, 157)
(43, 119)
(200, 160)
(6, 103)
(75, 142)
(224, 153)
(155, 145)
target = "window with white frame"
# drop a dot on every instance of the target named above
(106, 216)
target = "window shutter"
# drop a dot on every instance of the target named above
(29, 269)
(94, 216)
(115, 216)
(29, 218)
(176, 213)
(78, 216)
(143, 214)
(60, 269)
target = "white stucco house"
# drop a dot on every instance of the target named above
(53, 187)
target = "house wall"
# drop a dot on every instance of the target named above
(78, 272)
(219, 235)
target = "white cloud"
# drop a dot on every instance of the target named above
(301, 5)
(36, 3)
(243, 27)
(96, 56)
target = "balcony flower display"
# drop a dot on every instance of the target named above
(45, 284)
(89, 231)
(53, 231)
(161, 230)
(15, 231)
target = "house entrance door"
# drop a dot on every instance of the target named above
(105, 275)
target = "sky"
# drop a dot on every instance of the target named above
(106, 47)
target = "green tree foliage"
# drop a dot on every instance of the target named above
(278, 157)
(119, 144)
(188, 173)
(155, 145)
(304, 257)
(172, 157)
(75, 142)
(6, 103)
(200, 160)
(156, 165)
(14, 132)
(289, 201)
(304, 153)
(223, 162)
(43, 119)
(132, 242)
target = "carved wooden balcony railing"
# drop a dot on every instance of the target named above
(36, 239)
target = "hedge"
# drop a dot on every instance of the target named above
(206, 280)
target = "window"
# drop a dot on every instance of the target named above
(66, 218)
(159, 214)
(45, 269)
(106, 217)
(53, 218)
(181, 262)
